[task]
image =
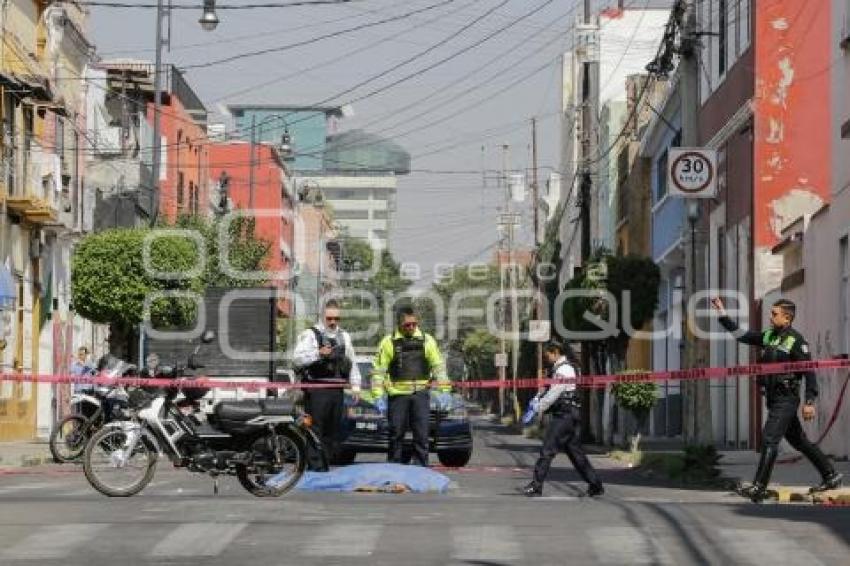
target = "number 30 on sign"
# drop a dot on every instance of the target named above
(692, 172)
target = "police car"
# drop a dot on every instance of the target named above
(365, 430)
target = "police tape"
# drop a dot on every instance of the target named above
(586, 381)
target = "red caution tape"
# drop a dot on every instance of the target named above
(588, 381)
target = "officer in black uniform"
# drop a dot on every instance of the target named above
(324, 355)
(781, 343)
(561, 404)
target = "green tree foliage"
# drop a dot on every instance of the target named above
(632, 281)
(110, 282)
(383, 284)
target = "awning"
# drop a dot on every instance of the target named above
(8, 296)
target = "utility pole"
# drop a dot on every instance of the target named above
(589, 103)
(251, 164)
(156, 146)
(503, 368)
(535, 197)
(697, 425)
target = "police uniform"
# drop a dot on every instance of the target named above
(563, 432)
(403, 369)
(782, 393)
(326, 405)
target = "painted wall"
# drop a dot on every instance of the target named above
(275, 222)
(184, 172)
(793, 169)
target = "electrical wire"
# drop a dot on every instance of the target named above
(338, 33)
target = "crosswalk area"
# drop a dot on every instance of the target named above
(367, 543)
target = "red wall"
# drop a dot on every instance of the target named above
(792, 118)
(269, 197)
(187, 153)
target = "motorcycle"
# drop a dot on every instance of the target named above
(92, 409)
(263, 442)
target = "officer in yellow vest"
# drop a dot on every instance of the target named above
(781, 343)
(405, 364)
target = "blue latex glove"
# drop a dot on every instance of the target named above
(531, 411)
(381, 405)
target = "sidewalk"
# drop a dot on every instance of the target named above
(24, 453)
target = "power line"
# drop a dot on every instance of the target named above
(251, 6)
(316, 39)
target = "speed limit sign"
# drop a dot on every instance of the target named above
(692, 172)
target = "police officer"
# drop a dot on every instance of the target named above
(324, 355)
(781, 343)
(560, 402)
(404, 366)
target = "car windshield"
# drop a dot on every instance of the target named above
(365, 374)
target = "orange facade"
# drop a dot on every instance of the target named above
(272, 202)
(792, 100)
(184, 175)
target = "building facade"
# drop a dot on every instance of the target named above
(45, 52)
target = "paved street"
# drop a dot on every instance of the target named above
(49, 515)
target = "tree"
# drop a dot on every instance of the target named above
(633, 283)
(384, 284)
(110, 282)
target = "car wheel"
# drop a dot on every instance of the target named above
(454, 458)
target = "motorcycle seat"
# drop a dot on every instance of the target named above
(249, 409)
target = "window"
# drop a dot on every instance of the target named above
(338, 194)
(180, 196)
(351, 214)
(379, 234)
(722, 37)
(661, 177)
(380, 214)
(192, 203)
(7, 160)
(844, 311)
(60, 138)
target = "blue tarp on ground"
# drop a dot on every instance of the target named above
(376, 477)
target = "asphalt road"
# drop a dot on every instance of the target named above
(49, 515)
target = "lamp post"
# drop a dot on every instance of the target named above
(209, 21)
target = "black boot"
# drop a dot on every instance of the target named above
(595, 490)
(758, 491)
(831, 481)
(533, 489)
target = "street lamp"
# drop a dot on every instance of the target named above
(208, 22)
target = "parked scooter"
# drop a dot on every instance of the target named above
(92, 408)
(253, 440)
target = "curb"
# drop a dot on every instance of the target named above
(25, 458)
(798, 494)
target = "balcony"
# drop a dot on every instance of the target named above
(32, 209)
(33, 194)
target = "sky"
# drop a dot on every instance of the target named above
(475, 89)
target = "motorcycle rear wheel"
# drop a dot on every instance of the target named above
(259, 480)
(99, 463)
(68, 438)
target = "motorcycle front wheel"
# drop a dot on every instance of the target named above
(114, 472)
(68, 438)
(274, 472)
